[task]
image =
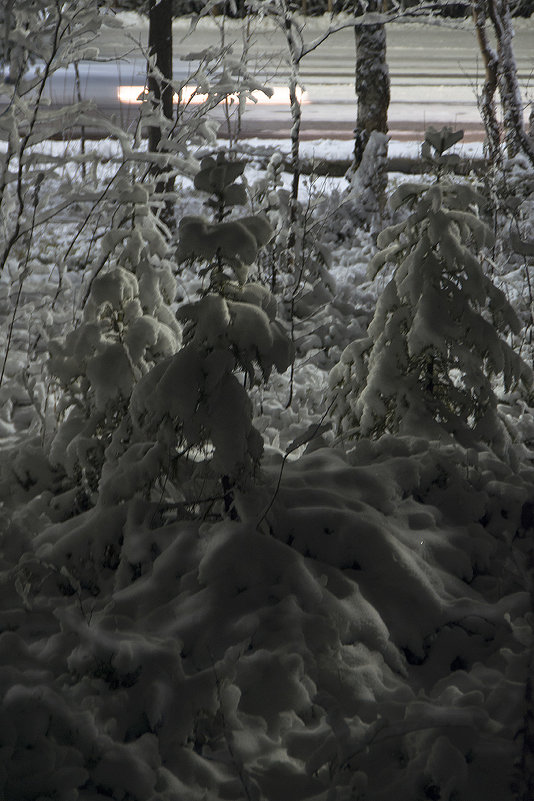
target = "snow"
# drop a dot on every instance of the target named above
(363, 630)
(332, 149)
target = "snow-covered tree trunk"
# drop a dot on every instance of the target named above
(498, 11)
(296, 116)
(372, 80)
(369, 182)
(487, 105)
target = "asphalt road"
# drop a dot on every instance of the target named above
(435, 73)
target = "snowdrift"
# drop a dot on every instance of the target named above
(365, 637)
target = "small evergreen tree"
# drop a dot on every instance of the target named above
(189, 431)
(436, 340)
(126, 328)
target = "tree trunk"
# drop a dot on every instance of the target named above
(160, 47)
(488, 110)
(372, 81)
(514, 128)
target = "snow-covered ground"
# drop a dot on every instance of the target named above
(363, 631)
(332, 149)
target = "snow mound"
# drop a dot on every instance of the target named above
(364, 636)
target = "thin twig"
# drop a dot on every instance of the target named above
(287, 453)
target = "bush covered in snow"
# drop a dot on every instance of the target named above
(437, 338)
(127, 327)
(189, 419)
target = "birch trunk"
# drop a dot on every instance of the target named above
(296, 119)
(372, 81)
(487, 106)
(499, 13)
(515, 135)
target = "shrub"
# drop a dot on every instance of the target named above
(437, 337)
(191, 416)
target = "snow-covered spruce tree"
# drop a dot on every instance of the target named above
(38, 188)
(126, 327)
(436, 340)
(190, 432)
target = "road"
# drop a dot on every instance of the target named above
(435, 72)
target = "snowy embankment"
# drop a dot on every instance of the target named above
(362, 632)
